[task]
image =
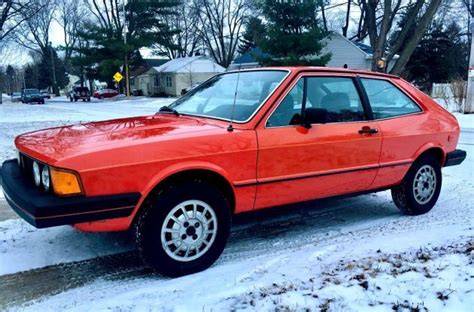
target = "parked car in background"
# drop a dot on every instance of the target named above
(45, 94)
(16, 97)
(285, 135)
(105, 93)
(32, 96)
(80, 93)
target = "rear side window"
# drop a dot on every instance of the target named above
(387, 100)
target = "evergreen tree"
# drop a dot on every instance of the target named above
(10, 73)
(104, 50)
(254, 30)
(440, 56)
(293, 35)
(45, 71)
(31, 76)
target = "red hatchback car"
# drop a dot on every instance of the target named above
(241, 141)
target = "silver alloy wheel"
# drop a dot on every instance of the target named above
(189, 230)
(424, 184)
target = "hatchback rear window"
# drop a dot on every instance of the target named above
(387, 100)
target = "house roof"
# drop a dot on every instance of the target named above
(155, 62)
(195, 64)
(250, 56)
(366, 48)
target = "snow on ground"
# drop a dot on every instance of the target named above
(19, 244)
(351, 254)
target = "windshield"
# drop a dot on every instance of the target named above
(215, 97)
(81, 89)
(32, 91)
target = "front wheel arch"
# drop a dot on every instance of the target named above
(190, 175)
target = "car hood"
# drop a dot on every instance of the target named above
(56, 144)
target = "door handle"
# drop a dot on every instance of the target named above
(368, 130)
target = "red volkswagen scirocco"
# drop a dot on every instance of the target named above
(241, 141)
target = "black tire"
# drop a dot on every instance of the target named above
(149, 223)
(404, 194)
(70, 98)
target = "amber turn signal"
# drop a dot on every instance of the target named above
(65, 182)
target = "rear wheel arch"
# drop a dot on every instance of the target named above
(435, 151)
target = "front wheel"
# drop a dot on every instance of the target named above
(183, 229)
(420, 188)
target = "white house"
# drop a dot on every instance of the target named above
(353, 55)
(344, 53)
(177, 75)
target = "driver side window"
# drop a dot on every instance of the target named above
(288, 109)
(331, 99)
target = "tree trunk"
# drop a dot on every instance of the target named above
(346, 25)
(415, 38)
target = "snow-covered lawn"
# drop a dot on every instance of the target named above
(356, 254)
(17, 118)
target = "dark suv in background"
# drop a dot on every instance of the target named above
(32, 96)
(80, 93)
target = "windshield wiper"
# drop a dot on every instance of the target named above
(169, 110)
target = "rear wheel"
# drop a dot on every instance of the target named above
(183, 229)
(420, 188)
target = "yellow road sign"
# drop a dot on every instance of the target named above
(118, 76)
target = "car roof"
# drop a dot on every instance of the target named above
(320, 69)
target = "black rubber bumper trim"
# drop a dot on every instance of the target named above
(455, 158)
(43, 209)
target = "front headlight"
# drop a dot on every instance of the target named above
(36, 174)
(45, 178)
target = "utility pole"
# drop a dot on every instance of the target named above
(469, 107)
(125, 31)
(54, 70)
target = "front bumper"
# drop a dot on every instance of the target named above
(42, 209)
(455, 157)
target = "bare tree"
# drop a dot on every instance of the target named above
(221, 26)
(348, 16)
(186, 39)
(12, 15)
(379, 17)
(33, 34)
(469, 6)
(70, 15)
(108, 14)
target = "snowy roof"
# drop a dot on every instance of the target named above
(195, 64)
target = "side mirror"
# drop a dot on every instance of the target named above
(314, 116)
